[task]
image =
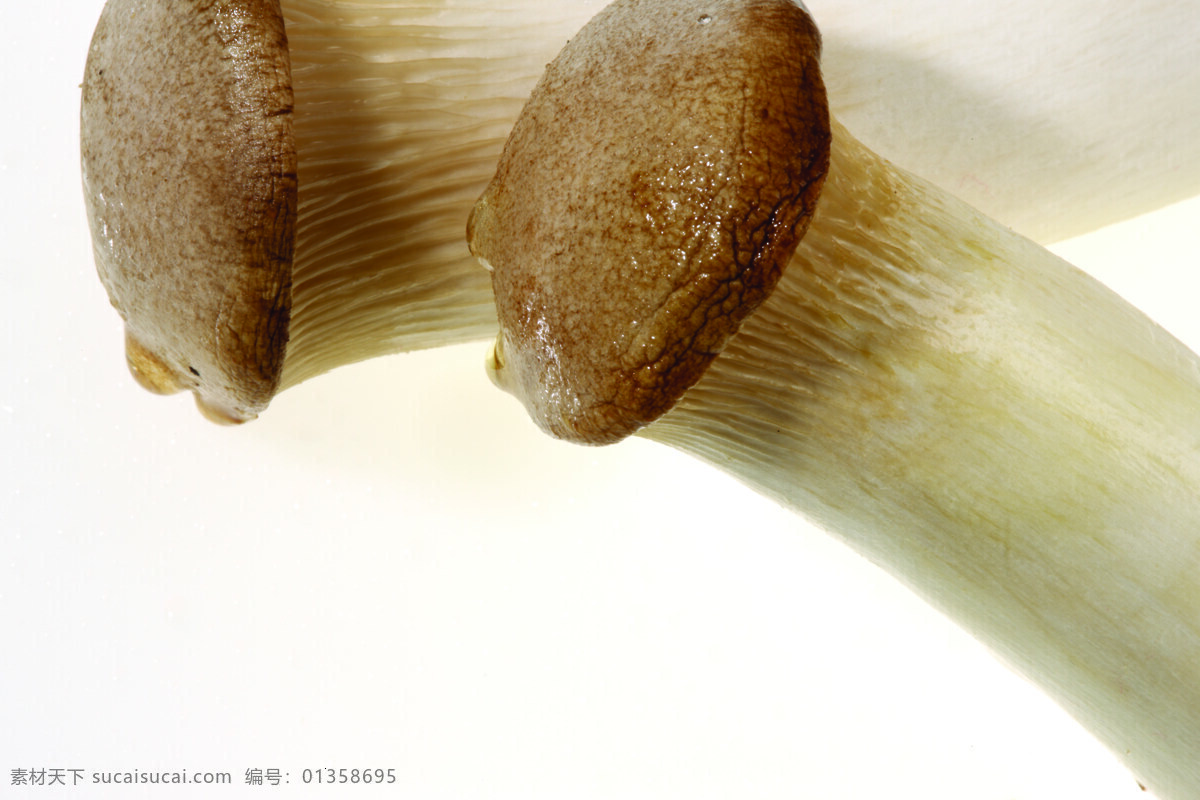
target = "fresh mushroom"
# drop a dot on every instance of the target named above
(997, 428)
(249, 248)
(647, 201)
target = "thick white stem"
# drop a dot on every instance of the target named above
(1010, 438)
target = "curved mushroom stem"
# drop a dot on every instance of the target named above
(400, 114)
(998, 429)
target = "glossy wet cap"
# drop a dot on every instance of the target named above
(189, 171)
(646, 203)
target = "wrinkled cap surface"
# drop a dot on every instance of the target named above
(646, 203)
(189, 170)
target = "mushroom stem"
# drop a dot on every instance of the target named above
(994, 427)
(401, 111)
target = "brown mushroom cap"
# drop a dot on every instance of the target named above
(646, 203)
(193, 211)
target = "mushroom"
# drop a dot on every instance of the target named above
(995, 427)
(646, 203)
(249, 247)
(267, 204)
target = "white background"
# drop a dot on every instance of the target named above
(393, 568)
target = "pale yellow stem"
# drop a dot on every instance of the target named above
(996, 428)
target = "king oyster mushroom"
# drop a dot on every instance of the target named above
(998, 429)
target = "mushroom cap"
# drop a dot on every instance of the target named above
(646, 202)
(189, 173)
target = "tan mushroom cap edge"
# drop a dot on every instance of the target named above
(193, 211)
(647, 201)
